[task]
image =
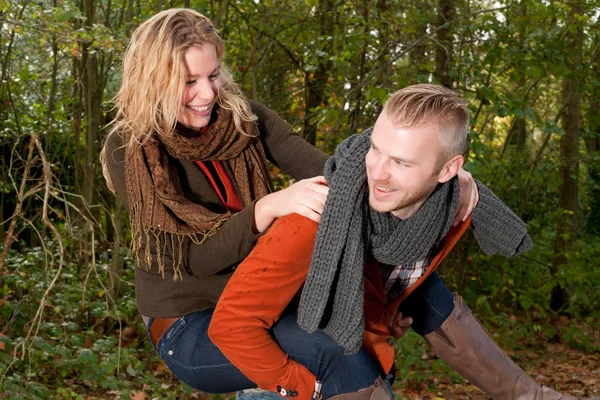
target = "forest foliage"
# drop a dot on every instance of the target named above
(529, 69)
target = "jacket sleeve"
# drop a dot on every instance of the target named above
(285, 148)
(256, 296)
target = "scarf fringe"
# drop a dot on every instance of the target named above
(141, 241)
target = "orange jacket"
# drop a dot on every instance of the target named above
(264, 285)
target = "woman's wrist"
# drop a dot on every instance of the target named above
(263, 217)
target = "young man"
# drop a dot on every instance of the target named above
(386, 226)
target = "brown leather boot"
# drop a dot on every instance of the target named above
(377, 391)
(471, 351)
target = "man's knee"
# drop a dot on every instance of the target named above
(429, 305)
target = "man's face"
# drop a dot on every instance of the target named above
(402, 166)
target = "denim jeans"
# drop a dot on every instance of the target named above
(429, 305)
(195, 360)
(259, 394)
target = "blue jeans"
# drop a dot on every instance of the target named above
(194, 359)
(429, 305)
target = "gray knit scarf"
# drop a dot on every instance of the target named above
(333, 294)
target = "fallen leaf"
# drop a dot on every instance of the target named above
(137, 396)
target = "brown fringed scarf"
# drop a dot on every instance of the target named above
(157, 204)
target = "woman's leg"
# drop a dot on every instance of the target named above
(194, 359)
(191, 356)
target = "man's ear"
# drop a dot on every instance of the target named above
(450, 169)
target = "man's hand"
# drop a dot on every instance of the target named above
(468, 196)
(398, 325)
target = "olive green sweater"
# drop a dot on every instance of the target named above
(209, 266)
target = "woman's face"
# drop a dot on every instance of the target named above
(202, 86)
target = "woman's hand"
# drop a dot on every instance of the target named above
(468, 196)
(306, 197)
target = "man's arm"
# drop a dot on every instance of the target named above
(254, 299)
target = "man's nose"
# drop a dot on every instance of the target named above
(379, 171)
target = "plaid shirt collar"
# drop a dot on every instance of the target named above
(396, 279)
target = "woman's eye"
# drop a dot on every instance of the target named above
(189, 83)
(214, 76)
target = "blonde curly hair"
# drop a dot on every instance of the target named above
(154, 77)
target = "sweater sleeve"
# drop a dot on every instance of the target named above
(285, 148)
(256, 296)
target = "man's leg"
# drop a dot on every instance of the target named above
(429, 305)
(459, 339)
(325, 358)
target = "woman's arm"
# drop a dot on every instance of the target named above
(298, 158)
(256, 296)
(285, 148)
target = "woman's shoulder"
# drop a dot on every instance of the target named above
(270, 124)
(114, 150)
(261, 111)
(114, 140)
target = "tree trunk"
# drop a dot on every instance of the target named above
(518, 133)
(418, 60)
(116, 262)
(386, 43)
(129, 18)
(592, 141)
(220, 15)
(315, 86)
(356, 113)
(91, 82)
(566, 231)
(443, 51)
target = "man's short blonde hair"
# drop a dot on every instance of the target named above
(420, 104)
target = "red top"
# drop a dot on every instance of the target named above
(230, 198)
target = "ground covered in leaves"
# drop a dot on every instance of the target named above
(552, 364)
(556, 365)
(563, 355)
(569, 361)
